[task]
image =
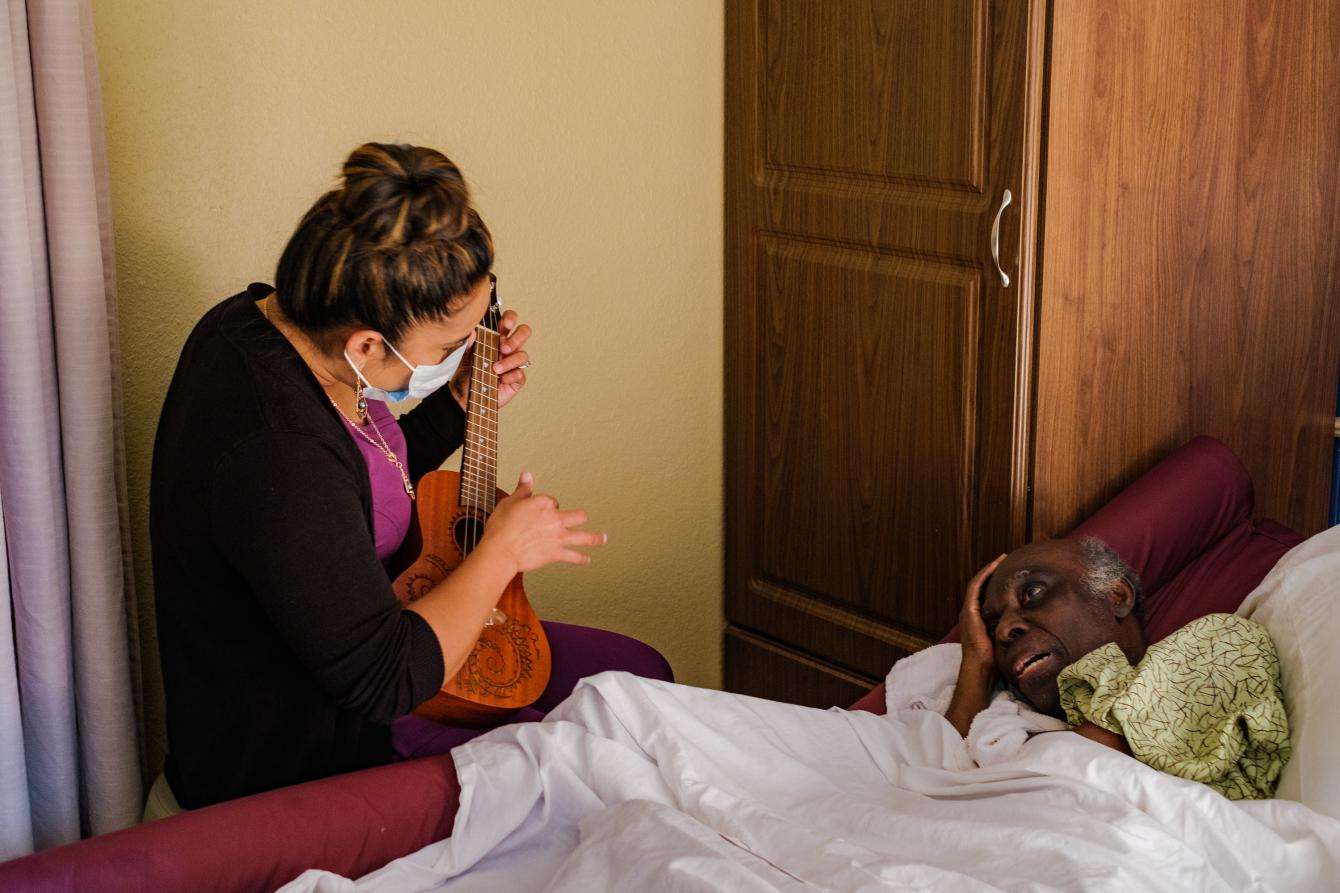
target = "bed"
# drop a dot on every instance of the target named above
(1186, 526)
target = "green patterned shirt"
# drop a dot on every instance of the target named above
(1203, 704)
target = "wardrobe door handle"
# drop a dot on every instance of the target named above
(995, 239)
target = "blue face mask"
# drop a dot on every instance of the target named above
(423, 380)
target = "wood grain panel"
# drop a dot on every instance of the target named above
(846, 638)
(868, 406)
(862, 255)
(758, 667)
(891, 90)
(1192, 249)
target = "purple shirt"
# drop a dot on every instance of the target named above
(390, 502)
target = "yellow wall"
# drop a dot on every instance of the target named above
(591, 133)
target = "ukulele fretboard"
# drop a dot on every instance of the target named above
(479, 454)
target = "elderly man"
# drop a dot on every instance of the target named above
(1059, 624)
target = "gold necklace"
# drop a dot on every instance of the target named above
(383, 447)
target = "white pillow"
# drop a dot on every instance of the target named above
(1299, 602)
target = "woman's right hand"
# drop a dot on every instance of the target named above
(528, 530)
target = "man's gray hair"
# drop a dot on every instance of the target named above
(1106, 569)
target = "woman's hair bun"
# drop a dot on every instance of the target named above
(396, 243)
(397, 195)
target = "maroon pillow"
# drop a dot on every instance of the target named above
(1175, 511)
(1220, 578)
(1184, 527)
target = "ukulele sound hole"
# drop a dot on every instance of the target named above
(468, 531)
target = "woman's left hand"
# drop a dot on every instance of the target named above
(510, 366)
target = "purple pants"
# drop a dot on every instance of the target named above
(578, 651)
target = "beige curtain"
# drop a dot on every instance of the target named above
(69, 763)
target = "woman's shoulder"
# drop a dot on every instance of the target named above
(238, 376)
(233, 327)
(235, 314)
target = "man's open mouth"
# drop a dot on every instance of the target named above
(1030, 665)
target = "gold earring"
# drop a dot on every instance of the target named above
(362, 401)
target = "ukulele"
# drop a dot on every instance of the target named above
(509, 666)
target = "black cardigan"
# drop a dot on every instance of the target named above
(285, 653)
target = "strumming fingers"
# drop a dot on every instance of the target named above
(584, 538)
(572, 556)
(573, 518)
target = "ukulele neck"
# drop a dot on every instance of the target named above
(479, 453)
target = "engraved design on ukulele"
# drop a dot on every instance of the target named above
(418, 581)
(485, 671)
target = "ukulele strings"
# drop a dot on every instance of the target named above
(482, 351)
(479, 369)
(481, 365)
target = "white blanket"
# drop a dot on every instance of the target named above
(925, 681)
(633, 784)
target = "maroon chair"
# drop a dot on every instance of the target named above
(351, 823)
(1185, 526)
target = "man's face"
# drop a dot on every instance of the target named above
(1043, 618)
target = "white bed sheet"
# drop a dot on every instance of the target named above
(634, 784)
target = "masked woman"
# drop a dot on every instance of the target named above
(281, 483)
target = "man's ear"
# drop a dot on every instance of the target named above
(1122, 597)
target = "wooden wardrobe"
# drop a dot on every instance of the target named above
(986, 262)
